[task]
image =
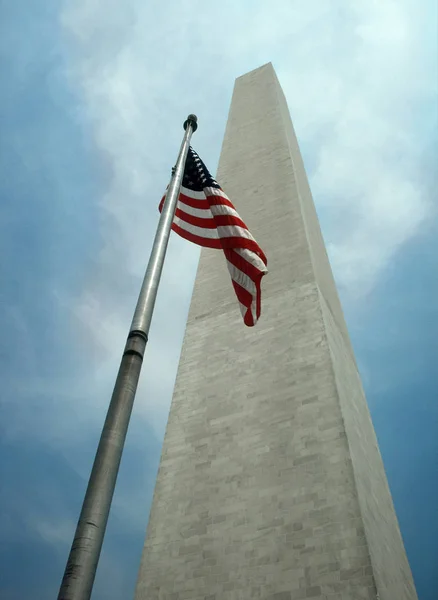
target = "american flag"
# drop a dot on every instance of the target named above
(205, 216)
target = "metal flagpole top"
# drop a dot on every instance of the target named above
(193, 120)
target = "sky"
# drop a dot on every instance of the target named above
(93, 96)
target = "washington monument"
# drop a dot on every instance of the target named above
(271, 485)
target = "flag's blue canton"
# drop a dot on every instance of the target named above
(196, 175)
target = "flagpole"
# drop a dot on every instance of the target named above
(80, 571)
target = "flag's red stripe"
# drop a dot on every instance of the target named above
(222, 243)
(205, 203)
(214, 200)
(196, 239)
(235, 242)
(243, 265)
(255, 275)
(211, 200)
(216, 221)
(244, 298)
(230, 242)
(193, 202)
(243, 295)
(227, 244)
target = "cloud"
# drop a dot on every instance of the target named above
(344, 71)
(361, 84)
(345, 79)
(366, 180)
(59, 534)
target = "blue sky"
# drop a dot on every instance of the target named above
(93, 97)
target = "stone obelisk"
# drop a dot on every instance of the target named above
(271, 484)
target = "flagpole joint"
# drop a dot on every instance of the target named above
(136, 343)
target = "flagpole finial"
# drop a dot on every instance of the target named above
(193, 120)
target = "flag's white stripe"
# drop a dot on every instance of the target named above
(217, 209)
(252, 309)
(192, 193)
(222, 209)
(248, 284)
(211, 234)
(201, 213)
(252, 258)
(222, 231)
(242, 279)
(233, 231)
(207, 213)
(212, 191)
